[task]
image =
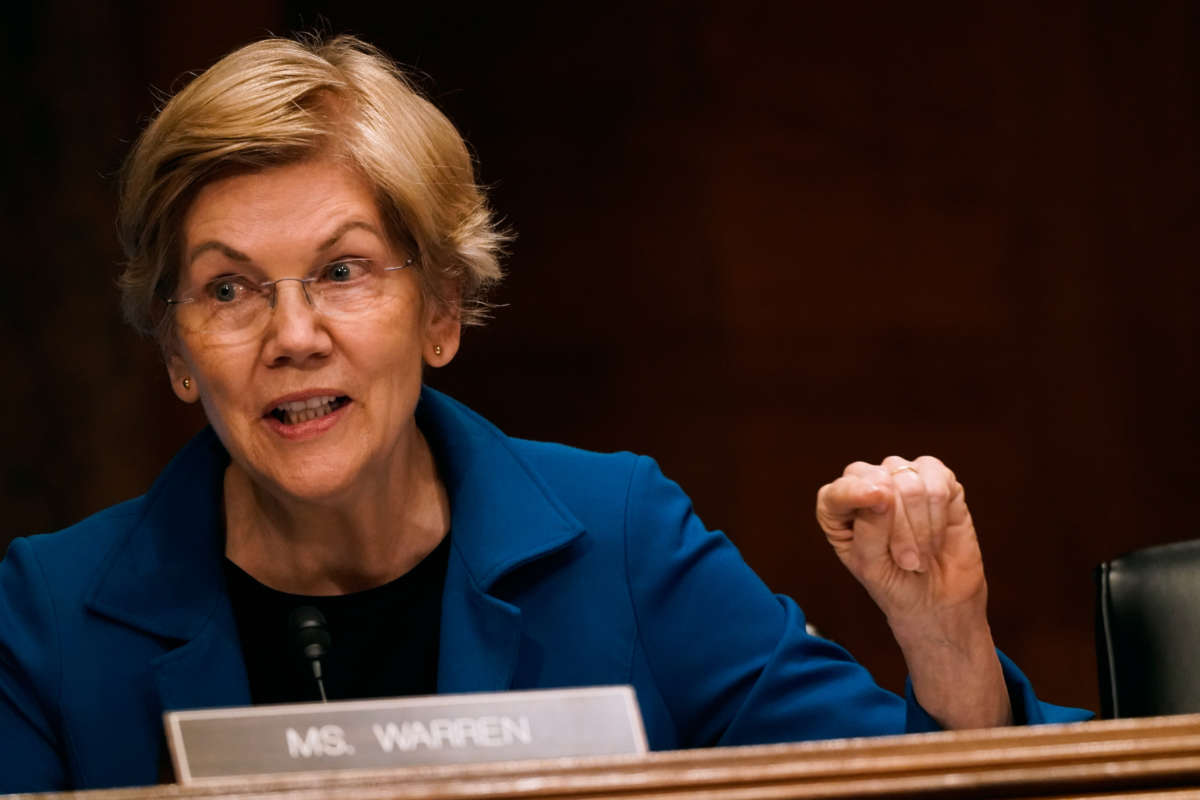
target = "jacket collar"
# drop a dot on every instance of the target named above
(502, 514)
(165, 575)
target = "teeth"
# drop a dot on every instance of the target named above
(303, 410)
(312, 402)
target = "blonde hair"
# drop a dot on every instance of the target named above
(279, 101)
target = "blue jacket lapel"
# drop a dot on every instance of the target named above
(165, 578)
(208, 670)
(502, 517)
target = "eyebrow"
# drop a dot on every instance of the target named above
(221, 247)
(238, 255)
(345, 228)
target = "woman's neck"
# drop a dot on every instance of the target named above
(376, 533)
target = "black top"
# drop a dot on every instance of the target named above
(384, 640)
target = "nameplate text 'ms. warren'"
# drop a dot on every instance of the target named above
(376, 734)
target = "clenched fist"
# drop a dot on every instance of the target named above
(903, 530)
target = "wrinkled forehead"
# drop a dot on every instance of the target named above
(291, 211)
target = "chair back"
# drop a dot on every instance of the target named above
(1148, 631)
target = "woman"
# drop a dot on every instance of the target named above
(304, 236)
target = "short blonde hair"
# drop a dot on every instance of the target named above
(279, 101)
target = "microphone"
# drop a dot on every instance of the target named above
(312, 639)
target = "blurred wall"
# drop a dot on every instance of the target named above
(757, 241)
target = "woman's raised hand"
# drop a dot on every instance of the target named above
(903, 530)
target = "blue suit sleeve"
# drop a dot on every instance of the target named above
(30, 672)
(733, 662)
(1027, 709)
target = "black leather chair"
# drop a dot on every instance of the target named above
(1148, 631)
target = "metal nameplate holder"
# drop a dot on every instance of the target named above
(221, 743)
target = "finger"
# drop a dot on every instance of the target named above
(875, 473)
(872, 531)
(839, 502)
(939, 488)
(957, 512)
(910, 534)
(864, 470)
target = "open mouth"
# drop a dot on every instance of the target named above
(305, 410)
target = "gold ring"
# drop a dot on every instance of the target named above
(908, 467)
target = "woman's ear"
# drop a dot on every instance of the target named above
(443, 332)
(182, 382)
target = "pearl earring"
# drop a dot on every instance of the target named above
(187, 383)
(437, 349)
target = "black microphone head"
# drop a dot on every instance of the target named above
(309, 634)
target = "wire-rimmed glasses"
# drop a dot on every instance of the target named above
(234, 308)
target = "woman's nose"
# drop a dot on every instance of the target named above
(296, 332)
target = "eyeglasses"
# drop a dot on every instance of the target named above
(234, 308)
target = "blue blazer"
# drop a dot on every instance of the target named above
(566, 568)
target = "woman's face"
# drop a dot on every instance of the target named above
(289, 222)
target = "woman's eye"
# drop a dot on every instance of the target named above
(343, 271)
(226, 290)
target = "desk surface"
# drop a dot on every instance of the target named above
(1148, 758)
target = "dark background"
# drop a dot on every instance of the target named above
(757, 241)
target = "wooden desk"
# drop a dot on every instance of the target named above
(1150, 758)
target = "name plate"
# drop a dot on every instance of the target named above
(220, 743)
